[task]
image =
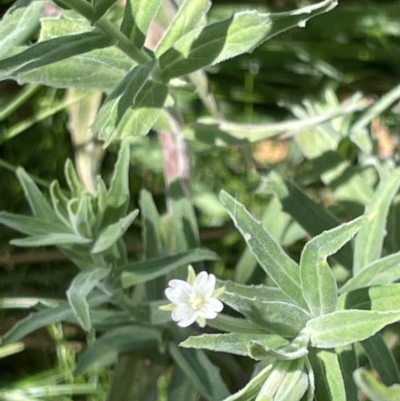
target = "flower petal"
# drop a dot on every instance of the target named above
(179, 292)
(211, 308)
(204, 284)
(184, 315)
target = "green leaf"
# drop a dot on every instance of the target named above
(138, 16)
(50, 51)
(383, 271)
(100, 8)
(312, 216)
(102, 69)
(50, 239)
(297, 348)
(234, 325)
(179, 387)
(224, 40)
(139, 120)
(80, 288)
(72, 179)
(151, 222)
(121, 98)
(329, 385)
(38, 203)
(369, 240)
(59, 202)
(116, 201)
(185, 20)
(106, 348)
(45, 317)
(203, 375)
(295, 383)
(219, 132)
(184, 228)
(234, 343)
(385, 297)
(81, 215)
(252, 388)
(345, 327)
(282, 270)
(111, 234)
(282, 318)
(282, 379)
(140, 272)
(32, 225)
(262, 292)
(152, 240)
(348, 364)
(317, 280)
(381, 359)
(19, 23)
(375, 390)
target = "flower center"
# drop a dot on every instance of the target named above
(196, 302)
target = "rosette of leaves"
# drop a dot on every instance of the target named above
(303, 330)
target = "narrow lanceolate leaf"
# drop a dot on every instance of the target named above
(381, 359)
(283, 270)
(369, 240)
(294, 384)
(281, 379)
(186, 19)
(312, 216)
(234, 343)
(140, 272)
(329, 384)
(45, 317)
(115, 204)
(111, 234)
(374, 389)
(345, 327)
(383, 271)
(285, 319)
(39, 205)
(200, 372)
(19, 23)
(79, 290)
(121, 98)
(50, 51)
(252, 388)
(385, 297)
(138, 16)
(50, 239)
(151, 225)
(106, 348)
(223, 40)
(152, 240)
(32, 225)
(317, 280)
(262, 292)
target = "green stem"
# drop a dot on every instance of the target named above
(18, 100)
(123, 43)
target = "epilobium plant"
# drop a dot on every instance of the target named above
(194, 300)
(302, 327)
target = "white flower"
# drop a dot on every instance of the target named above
(194, 299)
